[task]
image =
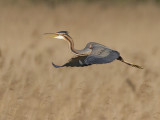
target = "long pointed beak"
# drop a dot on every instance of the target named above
(53, 35)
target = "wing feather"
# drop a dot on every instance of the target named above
(92, 59)
(78, 61)
(101, 54)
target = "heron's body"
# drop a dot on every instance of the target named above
(93, 53)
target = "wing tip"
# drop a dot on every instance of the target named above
(56, 66)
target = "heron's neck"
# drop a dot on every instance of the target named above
(71, 44)
(83, 52)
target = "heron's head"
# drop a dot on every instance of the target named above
(58, 35)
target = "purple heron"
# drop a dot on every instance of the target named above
(93, 53)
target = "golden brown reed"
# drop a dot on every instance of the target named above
(31, 89)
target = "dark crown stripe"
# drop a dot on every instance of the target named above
(66, 32)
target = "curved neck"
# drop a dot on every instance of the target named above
(84, 52)
(71, 44)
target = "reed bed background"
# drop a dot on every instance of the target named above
(31, 89)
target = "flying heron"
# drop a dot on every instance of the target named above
(93, 53)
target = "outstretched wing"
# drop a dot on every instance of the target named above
(101, 54)
(92, 59)
(78, 61)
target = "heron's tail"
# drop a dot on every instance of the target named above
(131, 64)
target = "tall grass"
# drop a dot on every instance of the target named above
(31, 89)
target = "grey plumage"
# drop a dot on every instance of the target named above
(78, 61)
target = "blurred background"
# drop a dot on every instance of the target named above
(31, 89)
